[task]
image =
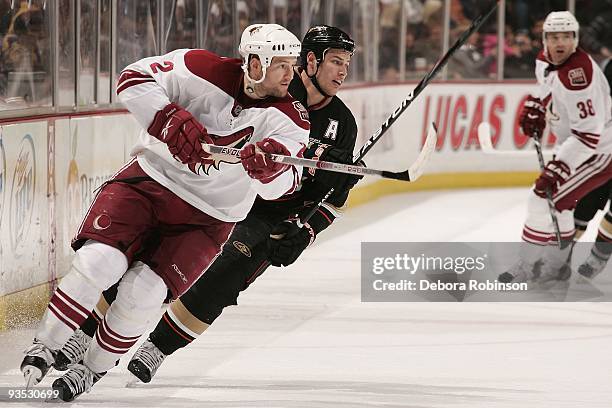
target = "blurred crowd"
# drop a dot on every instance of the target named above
(478, 59)
(24, 55)
(25, 34)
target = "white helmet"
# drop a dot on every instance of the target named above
(267, 41)
(558, 22)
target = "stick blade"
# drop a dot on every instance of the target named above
(402, 175)
(486, 144)
(484, 137)
(416, 170)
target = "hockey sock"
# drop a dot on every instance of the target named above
(141, 294)
(94, 268)
(97, 314)
(91, 324)
(170, 334)
(580, 227)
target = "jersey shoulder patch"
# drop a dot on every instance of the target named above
(294, 110)
(577, 72)
(225, 73)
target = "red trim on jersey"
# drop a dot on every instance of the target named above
(131, 74)
(131, 83)
(536, 237)
(588, 139)
(287, 105)
(542, 57)
(577, 72)
(227, 75)
(224, 73)
(130, 78)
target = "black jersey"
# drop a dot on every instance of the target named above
(331, 125)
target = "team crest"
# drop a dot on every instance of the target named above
(301, 110)
(243, 248)
(577, 77)
(236, 140)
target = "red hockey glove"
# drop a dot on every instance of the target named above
(182, 133)
(260, 167)
(533, 117)
(287, 241)
(555, 173)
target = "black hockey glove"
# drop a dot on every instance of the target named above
(287, 241)
(338, 181)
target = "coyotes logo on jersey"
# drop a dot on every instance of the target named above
(236, 140)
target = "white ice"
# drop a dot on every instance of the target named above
(301, 336)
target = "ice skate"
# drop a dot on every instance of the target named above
(146, 361)
(76, 381)
(555, 271)
(591, 267)
(36, 363)
(520, 272)
(73, 351)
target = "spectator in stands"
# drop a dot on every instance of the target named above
(469, 61)
(520, 65)
(25, 57)
(6, 14)
(596, 32)
(20, 46)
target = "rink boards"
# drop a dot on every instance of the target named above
(50, 168)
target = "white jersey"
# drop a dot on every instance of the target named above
(211, 89)
(577, 96)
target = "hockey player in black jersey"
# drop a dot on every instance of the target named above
(270, 234)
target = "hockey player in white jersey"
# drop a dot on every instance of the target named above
(167, 212)
(574, 94)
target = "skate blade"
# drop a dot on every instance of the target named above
(582, 280)
(32, 376)
(133, 382)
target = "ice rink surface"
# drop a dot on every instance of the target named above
(301, 337)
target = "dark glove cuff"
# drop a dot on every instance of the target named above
(321, 219)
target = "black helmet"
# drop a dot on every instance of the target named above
(321, 38)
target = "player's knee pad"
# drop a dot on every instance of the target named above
(101, 264)
(140, 296)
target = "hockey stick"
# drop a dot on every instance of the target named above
(484, 137)
(486, 144)
(415, 170)
(549, 200)
(411, 174)
(476, 23)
